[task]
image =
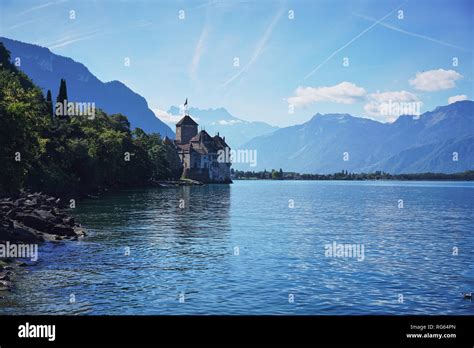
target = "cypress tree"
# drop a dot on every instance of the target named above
(62, 95)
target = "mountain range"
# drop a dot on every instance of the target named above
(441, 140)
(236, 130)
(46, 69)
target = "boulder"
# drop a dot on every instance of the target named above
(19, 202)
(63, 230)
(5, 276)
(69, 221)
(12, 213)
(35, 222)
(19, 235)
(5, 285)
(31, 202)
(47, 216)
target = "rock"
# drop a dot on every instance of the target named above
(63, 230)
(5, 283)
(5, 276)
(47, 216)
(7, 204)
(80, 232)
(19, 235)
(57, 212)
(6, 223)
(12, 213)
(33, 202)
(35, 222)
(69, 221)
(19, 202)
(26, 218)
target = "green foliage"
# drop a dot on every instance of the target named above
(49, 102)
(71, 154)
(22, 110)
(277, 175)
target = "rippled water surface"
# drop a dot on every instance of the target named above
(240, 249)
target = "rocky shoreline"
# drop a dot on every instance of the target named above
(32, 218)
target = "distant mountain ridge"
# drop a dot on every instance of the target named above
(408, 145)
(46, 69)
(236, 131)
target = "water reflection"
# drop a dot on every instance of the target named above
(190, 250)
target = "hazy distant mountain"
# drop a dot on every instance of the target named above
(235, 130)
(46, 70)
(407, 145)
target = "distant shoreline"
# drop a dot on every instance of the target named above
(427, 180)
(346, 176)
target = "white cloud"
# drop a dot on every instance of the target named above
(387, 106)
(228, 122)
(456, 98)
(435, 80)
(343, 93)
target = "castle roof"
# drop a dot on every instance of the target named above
(203, 143)
(186, 121)
(220, 142)
(201, 136)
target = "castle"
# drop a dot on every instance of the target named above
(200, 153)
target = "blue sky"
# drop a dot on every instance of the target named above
(289, 68)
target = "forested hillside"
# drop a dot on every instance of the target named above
(45, 152)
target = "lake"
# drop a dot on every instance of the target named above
(261, 247)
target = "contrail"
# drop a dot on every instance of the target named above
(389, 26)
(352, 40)
(258, 50)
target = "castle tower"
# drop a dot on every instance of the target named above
(186, 128)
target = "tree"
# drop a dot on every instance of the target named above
(23, 111)
(49, 101)
(62, 96)
(41, 154)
